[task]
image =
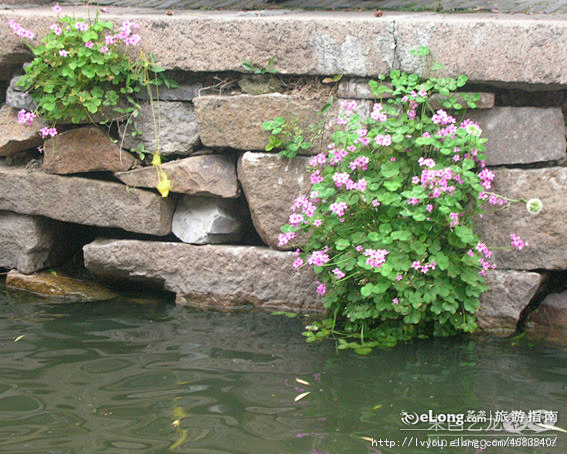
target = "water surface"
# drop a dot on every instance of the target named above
(125, 377)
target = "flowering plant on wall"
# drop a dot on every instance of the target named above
(83, 68)
(390, 217)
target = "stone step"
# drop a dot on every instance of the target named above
(212, 275)
(84, 201)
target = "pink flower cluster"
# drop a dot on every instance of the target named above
(321, 288)
(438, 181)
(45, 132)
(486, 177)
(360, 163)
(517, 242)
(442, 118)
(25, 117)
(338, 208)
(319, 258)
(56, 29)
(383, 140)
(125, 35)
(20, 31)
(81, 26)
(377, 113)
(362, 138)
(493, 199)
(285, 238)
(416, 265)
(376, 257)
(320, 159)
(338, 273)
(426, 162)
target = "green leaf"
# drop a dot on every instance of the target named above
(390, 169)
(342, 244)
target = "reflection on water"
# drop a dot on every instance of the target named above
(120, 377)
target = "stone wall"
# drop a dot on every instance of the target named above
(213, 241)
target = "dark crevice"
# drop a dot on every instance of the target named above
(553, 282)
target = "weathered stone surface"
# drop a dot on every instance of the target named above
(179, 134)
(531, 49)
(546, 232)
(209, 275)
(521, 135)
(207, 175)
(236, 121)
(16, 137)
(270, 185)
(184, 92)
(486, 100)
(206, 220)
(508, 295)
(359, 89)
(84, 201)
(18, 99)
(549, 320)
(87, 149)
(520, 49)
(59, 287)
(30, 243)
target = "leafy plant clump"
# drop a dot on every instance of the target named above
(390, 218)
(83, 68)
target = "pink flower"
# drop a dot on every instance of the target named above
(298, 262)
(413, 201)
(104, 9)
(384, 140)
(103, 49)
(429, 207)
(399, 277)
(316, 177)
(81, 26)
(20, 31)
(517, 242)
(338, 208)
(132, 40)
(57, 8)
(350, 105)
(321, 288)
(338, 273)
(341, 179)
(317, 222)
(56, 29)
(63, 53)
(285, 238)
(376, 257)
(89, 44)
(360, 163)
(25, 117)
(395, 301)
(295, 219)
(318, 258)
(51, 132)
(375, 202)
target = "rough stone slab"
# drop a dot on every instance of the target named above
(236, 121)
(207, 175)
(30, 243)
(178, 130)
(508, 295)
(521, 135)
(87, 149)
(270, 185)
(486, 100)
(211, 275)
(15, 137)
(58, 286)
(497, 49)
(531, 49)
(184, 92)
(549, 320)
(84, 201)
(546, 232)
(206, 220)
(18, 99)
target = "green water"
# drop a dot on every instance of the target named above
(123, 377)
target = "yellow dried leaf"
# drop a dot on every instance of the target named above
(301, 396)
